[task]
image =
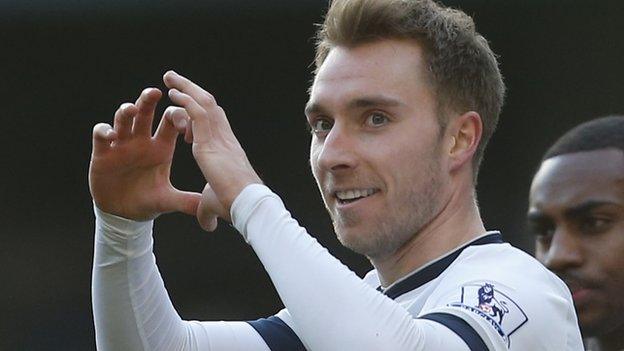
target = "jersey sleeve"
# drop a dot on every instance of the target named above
(517, 306)
(329, 307)
(278, 333)
(131, 308)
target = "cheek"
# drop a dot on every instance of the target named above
(610, 254)
(413, 162)
(314, 150)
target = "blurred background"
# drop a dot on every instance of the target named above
(66, 65)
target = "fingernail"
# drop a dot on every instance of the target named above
(182, 123)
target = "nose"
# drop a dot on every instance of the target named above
(564, 252)
(337, 151)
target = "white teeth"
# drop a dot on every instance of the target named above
(354, 194)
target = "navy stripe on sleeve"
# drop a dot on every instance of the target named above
(459, 327)
(277, 334)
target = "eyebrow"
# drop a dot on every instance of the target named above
(362, 102)
(586, 207)
(572, 212)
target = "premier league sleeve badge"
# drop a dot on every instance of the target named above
(495, 307)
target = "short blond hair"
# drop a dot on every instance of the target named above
(462, 68)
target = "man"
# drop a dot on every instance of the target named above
(576, 210)
(404, 98)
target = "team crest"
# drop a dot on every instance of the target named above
(497, 308)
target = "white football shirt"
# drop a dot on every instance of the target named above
(483, 295)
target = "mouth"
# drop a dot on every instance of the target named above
(581, 293)
(349, 196)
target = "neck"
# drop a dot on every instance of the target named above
(456, 223)
(614, 341)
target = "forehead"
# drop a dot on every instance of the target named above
(570, 179)
(391, 66)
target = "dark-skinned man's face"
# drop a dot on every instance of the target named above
(576, 211)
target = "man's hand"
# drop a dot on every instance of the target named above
(218, 153)
(130, 168)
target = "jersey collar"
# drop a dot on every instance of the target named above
(434, 269)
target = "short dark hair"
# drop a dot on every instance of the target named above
(461, 66)
(600, 133)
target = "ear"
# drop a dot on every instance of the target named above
(463, 135)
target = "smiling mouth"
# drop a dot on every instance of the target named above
(353, 195)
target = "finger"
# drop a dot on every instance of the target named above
(174, 80)
(123, 120)
(103, 135)
(181, 86)
(199, 117)
(207, 221)
(184, 201)
(210, 225)
(173, 122)
(190, 105)
(188, 135)
(146, 105)
(210, 209)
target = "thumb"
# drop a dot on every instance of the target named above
(209, 209)
(185, 201)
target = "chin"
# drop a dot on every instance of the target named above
(369, 244)
(596, 324)
(355, 241)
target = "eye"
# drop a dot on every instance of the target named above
(321, 126)
(542, 231)
(594, 225)
(377, 119)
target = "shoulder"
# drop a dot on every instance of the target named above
(505, 294)
(505, 264)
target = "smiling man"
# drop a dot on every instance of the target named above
(576, 211)
(405, 96)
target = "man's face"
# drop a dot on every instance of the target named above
(375, 145)
(576, 210)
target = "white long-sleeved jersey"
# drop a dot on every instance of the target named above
(483, 295)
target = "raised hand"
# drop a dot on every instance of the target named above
(218, 153)
(129, 174)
